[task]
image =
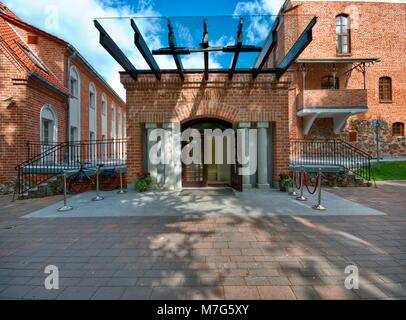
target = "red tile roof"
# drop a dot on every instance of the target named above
(11, 39)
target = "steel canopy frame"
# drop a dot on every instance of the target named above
(172, 45)
(112, 48)
(301, 43)
(267, 48)
(144, 50)
(238, 45)
(204, 47)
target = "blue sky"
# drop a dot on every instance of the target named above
(72, 20)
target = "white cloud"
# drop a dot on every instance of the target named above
(258, 22)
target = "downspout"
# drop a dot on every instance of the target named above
(69, 63)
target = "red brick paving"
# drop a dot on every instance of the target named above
(208, 257)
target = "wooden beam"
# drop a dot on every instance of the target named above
(112, 48)
(144, 50)
(238, 44)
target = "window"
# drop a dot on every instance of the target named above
(385, 89)
(92, 96)
(328, 82)
(104, 104)
(343, 34)
(398, 129)
(48, 125)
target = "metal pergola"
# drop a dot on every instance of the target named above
(204, 47)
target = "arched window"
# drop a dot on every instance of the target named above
(343, 34)
(385, 89)
(398, 129)
(48, 126)
(74, 105)
(329, 82)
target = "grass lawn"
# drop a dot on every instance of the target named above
(395, 170)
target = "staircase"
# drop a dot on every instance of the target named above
(34, 174)
(331, 155)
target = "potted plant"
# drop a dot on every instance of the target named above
(143, 182)
(285, 181)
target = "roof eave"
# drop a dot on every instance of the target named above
(34, 75)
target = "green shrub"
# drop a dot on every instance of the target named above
(143, 182)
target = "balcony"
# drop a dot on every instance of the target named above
(337, 104)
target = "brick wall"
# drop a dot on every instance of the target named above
(240, 100)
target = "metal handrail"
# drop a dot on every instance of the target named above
(65, 156)
(334, 152)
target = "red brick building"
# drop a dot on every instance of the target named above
(352, 72)
(347, 35)
(49, 93)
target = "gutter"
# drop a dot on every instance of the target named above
(93, 70)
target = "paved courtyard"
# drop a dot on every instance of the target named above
(223, 256)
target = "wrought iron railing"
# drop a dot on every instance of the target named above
(55, 158)
(330, 152)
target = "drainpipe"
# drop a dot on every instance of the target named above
(69, 63)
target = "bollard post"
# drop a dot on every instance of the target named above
(65, 206)
(293, 192)
(98, 197)
(301, 197)
(121, 191)
(318, 206)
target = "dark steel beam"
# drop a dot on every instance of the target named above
(205, 45)
(172, 45)
(144, 50)
(267, 48)
(184, 50)
(216, 70)
(238, 44)
(111, 47)
(301, 43)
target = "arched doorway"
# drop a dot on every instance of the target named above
(206, 172)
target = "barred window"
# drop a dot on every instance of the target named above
(385, 89)
(398, 129)
(343, 34)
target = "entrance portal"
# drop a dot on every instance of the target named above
(201, 174)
